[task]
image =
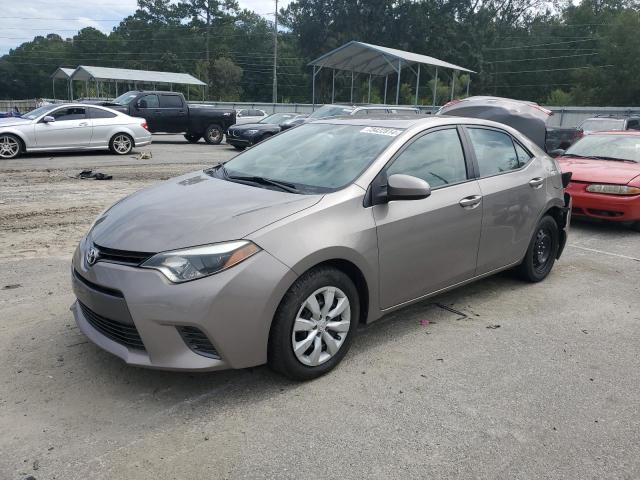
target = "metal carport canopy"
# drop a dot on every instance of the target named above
(376, 60)
(106, 74)
(62, 73)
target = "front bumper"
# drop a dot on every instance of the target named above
(238, 142)
(618, 208)
(233, 309)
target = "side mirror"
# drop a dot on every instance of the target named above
(48, 119)
(558, 152)
(407, 187)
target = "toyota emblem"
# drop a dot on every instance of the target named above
(92, 256)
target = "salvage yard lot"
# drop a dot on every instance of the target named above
(498, 379)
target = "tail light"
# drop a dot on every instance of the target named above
(145, 126)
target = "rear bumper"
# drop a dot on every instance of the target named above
(617, 208)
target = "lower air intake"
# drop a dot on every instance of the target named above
(197, 341)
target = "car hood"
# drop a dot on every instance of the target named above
(13, 121)
(194, 209)
(604, 171)
(254, 126)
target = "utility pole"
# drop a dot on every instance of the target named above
(275, 55)
(208, 32)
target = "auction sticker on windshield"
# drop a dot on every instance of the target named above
(390, 132)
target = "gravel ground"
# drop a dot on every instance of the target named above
(505, 380)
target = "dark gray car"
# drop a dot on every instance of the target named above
(279, 254)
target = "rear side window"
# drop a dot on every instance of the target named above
(436, 157)
(70, 113)
(255, 113)
(170, 101)
(99, 113)
(494, 150)
(243, 113)
(523, 155)
(633, 125)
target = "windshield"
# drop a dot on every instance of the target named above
(315, 158)
(601, 124)
(125, 98)
(277, 118)
(330, 111)
(33, 114)
(623, 147)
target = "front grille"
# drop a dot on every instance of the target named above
(123, 257)
(126, 335)
(99, 288)
(197, 341)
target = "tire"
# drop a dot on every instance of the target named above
(542, 252)
(294, 311)
(121, 144)
(10, 146)
(192, 138)
(213, 135)
(636, 226)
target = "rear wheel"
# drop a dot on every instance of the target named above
(636, 226)
(10, 146)
(542, 251)
(192, 138)
(314, 324)
(213, 135)
(121, 144)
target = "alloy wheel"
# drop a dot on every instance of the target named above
(122, 144)
(9, 147)
(321, 326)
(215, 135)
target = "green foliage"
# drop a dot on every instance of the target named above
(584, 53)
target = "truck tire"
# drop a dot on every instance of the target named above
(192, 138)
(213, 134)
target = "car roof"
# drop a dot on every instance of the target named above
(632, 133)
(408, 121)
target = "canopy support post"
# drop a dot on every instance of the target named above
(435, 88)
(333, 84)
(398, 85)
(369, 96)
(386, 80)
(53, 85)
(468, 82)
(453, 82)
(417, 84)
(351, 87)
(313, 90)
(71, 90)
(117, 89)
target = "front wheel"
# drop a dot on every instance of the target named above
(121, 144)
(542, 251)
(314, 325)
(213, 135)
(10, 146)
(192, 138)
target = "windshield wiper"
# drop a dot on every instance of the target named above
(287, 187)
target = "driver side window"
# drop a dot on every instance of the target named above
(70, 113)
(436, 157)
(149, 101)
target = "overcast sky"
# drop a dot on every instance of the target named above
(24, 19)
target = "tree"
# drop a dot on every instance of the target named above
(226, 80)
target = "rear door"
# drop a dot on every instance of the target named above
(148, 107)
(513, 186)
(427, 245)
(174, 113)
(71, 129)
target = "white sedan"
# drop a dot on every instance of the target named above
(249, 115)
(72, 126)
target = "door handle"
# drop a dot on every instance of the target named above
(536, 182)
(471, 202)
(83, 124)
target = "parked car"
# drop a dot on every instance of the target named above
(299, 119)
(328, 111)
(72, 126)
(249, 115)
(610, 123)
(605, 176)
(279, 254)
(561, 138)
(243, 136)
(169, 112)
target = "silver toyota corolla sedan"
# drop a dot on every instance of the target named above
(71, 126)
(276, 256)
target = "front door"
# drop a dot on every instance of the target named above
(427, 245)
(148, 107)
(513, 185)
(71, 129)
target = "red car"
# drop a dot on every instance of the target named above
(605, 180)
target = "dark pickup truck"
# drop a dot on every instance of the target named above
(169, 112)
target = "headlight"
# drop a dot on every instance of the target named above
(252, 132)
(197, 262)
(613, 189)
